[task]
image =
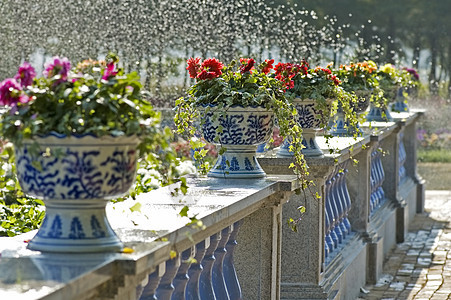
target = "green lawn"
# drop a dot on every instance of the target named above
(435, 155)
(436, 174)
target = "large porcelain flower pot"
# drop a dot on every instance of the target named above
(400, 105)
(379, 114)
(241, 131)
(312, 120)
(340, 126)
(75, 177)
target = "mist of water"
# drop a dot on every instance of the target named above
(155, 37)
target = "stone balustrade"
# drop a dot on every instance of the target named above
(355, 213)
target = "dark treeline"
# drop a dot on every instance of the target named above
(155, 37)
(413, 30)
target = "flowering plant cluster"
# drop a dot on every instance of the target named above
(389, 80)
(241, 83)
(94, 97)
(303, 82)
(244, 83)
(413, 73)
(319, 84)
(357, 76)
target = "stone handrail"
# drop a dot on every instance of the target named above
(246, 250)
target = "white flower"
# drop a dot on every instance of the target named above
(186, 167)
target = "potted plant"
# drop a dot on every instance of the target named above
(235, 107)
(315, 93)
(409, 81)
(387, 82)
(357, 79)
(77, 134)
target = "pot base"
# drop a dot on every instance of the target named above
(311, 148)
(71, 227)
(379, 114)
(237, 162)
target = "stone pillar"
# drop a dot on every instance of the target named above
(411, 144)
(303, 251)
(358, 182)
(257, 257)
(390, 162)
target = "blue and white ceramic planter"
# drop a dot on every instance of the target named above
(312, 120)
(340, 126)
(243, 129)
(400, 105)
(75, 177)
(379, 114)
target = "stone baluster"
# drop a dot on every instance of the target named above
(148, 293)
(181, 278)
(218, 266)
(335, 209)
(166, 288)
(346, 197)
(373, 182)
(192, 287)
(328, 242)
(340, 201)
(378, 179)
(231, 279)
(402, 158)
(380, 190)
(333, 242)
(205, 281)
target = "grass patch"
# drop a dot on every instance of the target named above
(435, 155)
(437, 175)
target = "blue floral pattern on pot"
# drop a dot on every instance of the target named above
(312, 120)
(340, 126)
(379, 114)
(75, 176)
(242, 130)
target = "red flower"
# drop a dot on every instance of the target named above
(204, 74)
(267, 66)
(304, 66)
(247, 64)
(193, 66)
(335, 80)
(212, 65)
(209, 69)
(286, 71)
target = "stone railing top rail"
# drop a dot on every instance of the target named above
(379, 130)
(152, 233)
(216, 202)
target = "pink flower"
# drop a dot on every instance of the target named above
(11, 93)
(25, 74)
(59, 66)
(110, 71)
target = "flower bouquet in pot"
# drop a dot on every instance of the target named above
(409, 80)
(235, 107)
(316, 94)
(356, 79)
(387, 82)
(77, 134)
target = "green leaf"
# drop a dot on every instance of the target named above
(136, 207)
